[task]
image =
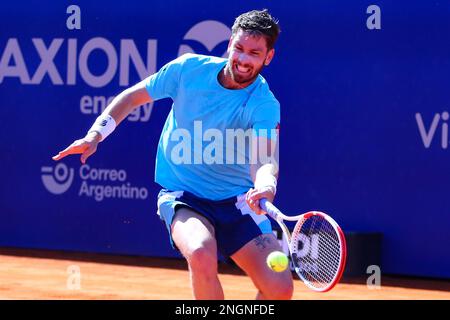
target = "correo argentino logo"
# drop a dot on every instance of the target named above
(58, 179)
(206, 37)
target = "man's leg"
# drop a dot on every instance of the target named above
(252, 259)
(194, 236)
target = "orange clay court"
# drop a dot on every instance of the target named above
(41, 274)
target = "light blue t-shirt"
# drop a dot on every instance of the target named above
(193, 154)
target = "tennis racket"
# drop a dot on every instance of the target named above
(317, 246)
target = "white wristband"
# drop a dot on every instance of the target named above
(105, 125)
(265, 180)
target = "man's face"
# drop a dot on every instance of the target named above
(248, 54)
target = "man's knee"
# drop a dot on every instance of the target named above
(202, 260)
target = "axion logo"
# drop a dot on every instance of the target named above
(118, 54)
(57, 180)
(206, 37)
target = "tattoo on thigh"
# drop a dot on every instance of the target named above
(262, 241)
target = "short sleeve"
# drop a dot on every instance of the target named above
(164, 83)
(266, 120)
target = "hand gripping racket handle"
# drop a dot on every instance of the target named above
(271, 210)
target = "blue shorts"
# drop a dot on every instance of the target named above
(235, 224)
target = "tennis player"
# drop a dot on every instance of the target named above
(209, 200)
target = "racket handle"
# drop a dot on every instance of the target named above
(268, 207)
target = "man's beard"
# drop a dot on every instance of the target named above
(240, 79)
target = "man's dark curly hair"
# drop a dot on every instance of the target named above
(258, 23)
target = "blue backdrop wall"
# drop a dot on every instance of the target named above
(364, 123)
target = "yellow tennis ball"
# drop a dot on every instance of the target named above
(277, 261)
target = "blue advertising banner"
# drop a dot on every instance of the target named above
(364, 119)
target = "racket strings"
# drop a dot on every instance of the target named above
(319, 271)
(328, 263)
(320, 261)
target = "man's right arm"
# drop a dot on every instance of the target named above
(127, 101)
(118, 109)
